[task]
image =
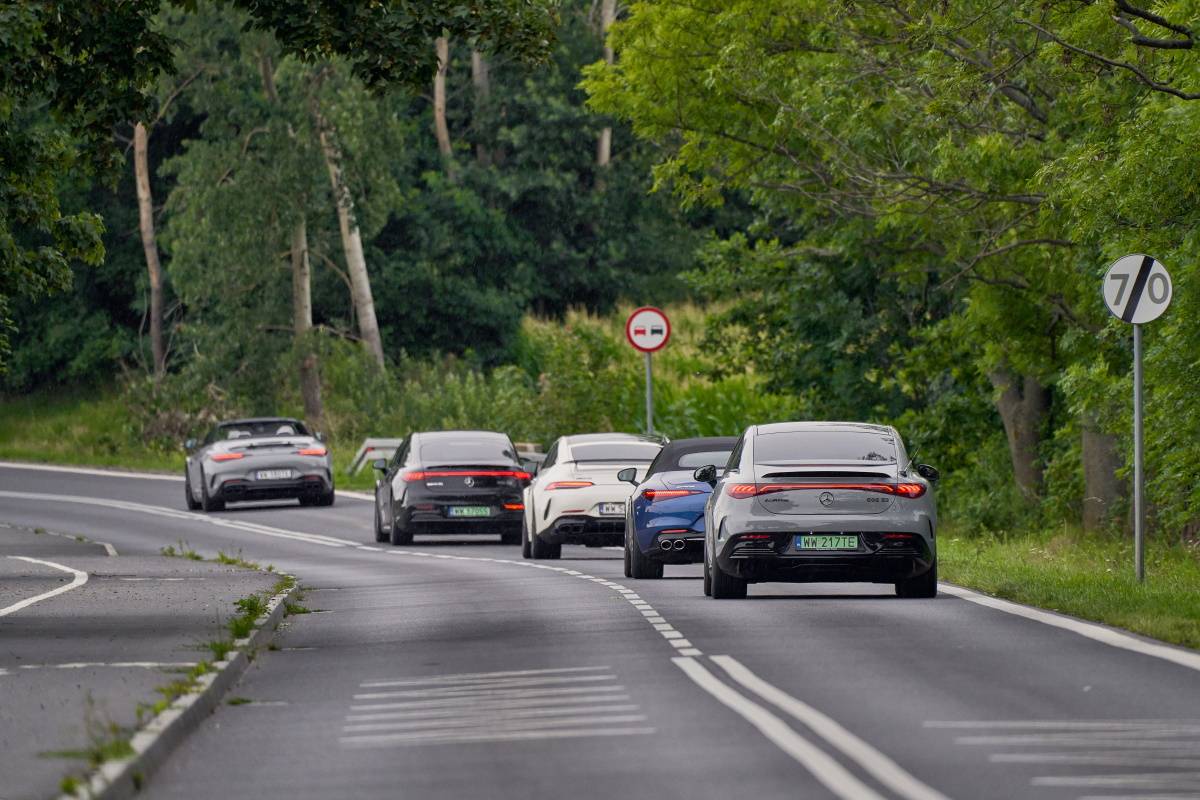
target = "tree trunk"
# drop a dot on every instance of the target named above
(1102, 489)
(440, 130)
(356, 262)
(141, 170)
(1022, 404)
(608, 13)
(482, 81)
(310, 375)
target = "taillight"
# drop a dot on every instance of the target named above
(311, 451)
(228, 456)
(569, 485)
(423, 474)
(755, 537)
(514, 506)
(666, 494)
(742, 490)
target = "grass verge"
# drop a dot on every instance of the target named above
(1087, 576)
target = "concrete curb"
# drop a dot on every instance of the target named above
(154, 742)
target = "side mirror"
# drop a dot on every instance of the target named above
(928, 473)
(706, 474)
(380, 464)
(628, 475)
(189, 445)
(320, 437)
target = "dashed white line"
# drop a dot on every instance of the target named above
(79, 579)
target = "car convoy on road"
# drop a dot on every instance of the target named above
(790, 502)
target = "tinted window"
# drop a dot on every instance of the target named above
(633, 451)
(250, 430)
(465, 451)
(785, 448)
(703, 459)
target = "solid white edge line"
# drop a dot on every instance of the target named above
(879, 766)
(145, 476)
(1090, 630)
(108, 473)
(79, 579)
(821, 765)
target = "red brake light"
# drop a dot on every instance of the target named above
(228, 456)
(514, 506)
(667, 494)
(909, 490)
(424, 474)
(741, 490)
(311, 451)
(757, 537)
(569, 485)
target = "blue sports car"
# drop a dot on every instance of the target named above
(664, 518)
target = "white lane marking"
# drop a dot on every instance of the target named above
(599, 695)
(691, 651)
(475, 676)
(503, 722)
(820, 765)
(391, 739)
(79, 579)
(113, 664)
(162, 511)
(875, 763)
(108, 548)
(573, 704)
(107, 473)
(1073, 724)
(517, 690)
(680, 643)
(1090, 630)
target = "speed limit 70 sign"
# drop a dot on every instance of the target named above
(1137, 289)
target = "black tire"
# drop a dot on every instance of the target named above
(707, 579)
(192, 503)
(209, 504)
(924, 586)
(327, 498)
(725, 586)
(540, 550)
(400, 536)
(380, 535)
(526, 545)
(628, 566)
(642, 566)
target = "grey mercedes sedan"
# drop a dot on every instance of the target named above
(816, 502)
(263, 458)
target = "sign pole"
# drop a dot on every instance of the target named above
(1139, 474)
(649, 397)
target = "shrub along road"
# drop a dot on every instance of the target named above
(456, 669)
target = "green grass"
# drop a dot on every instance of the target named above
(1088, 576)
(76, 427)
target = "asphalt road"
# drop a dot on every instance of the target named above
(454, 669)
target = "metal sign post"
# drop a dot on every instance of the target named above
(648, 330)
(1137, 289)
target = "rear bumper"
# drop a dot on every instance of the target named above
(236, 490)
(878, 560)
(586, 530)
(436, 521)
(675, 548)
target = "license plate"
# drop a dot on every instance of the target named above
(470, 511)
(832, 542)
(612, 509)
(273, 474)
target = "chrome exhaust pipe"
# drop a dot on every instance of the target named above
(665, 544)
(680, 544)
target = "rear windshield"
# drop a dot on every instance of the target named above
(633, 451)
(250, 430)
(788, 448)
(465, 451)
(689, 459)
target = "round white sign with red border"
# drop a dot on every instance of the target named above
(648, 329)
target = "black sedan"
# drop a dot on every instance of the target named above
(455, 482)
